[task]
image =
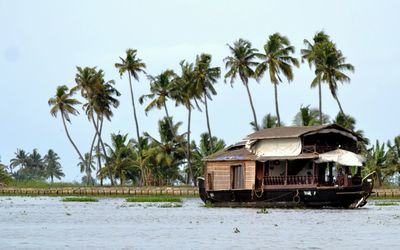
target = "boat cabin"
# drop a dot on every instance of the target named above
(287, 157)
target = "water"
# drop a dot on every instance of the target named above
(111, 223)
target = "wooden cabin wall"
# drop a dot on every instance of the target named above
(221, 173)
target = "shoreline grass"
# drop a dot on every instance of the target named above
(79, 199)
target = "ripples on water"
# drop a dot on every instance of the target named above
(111, 223)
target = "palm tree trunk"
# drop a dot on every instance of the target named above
(190, 176)
(251, 104)
(208, 122)
(276, 105)
(91, 148)
(70, 139)
(320, 102)
(133, 106)
(104, 150)
(340, 106)
(169, 119)
(99, 157)
(52, 181)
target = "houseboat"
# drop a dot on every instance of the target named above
(315, 166)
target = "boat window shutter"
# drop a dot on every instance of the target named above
(210, 178)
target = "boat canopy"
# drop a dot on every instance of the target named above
(342, 157)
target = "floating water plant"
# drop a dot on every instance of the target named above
(160, 198)
(80, 199)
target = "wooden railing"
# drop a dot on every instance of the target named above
(291, 180)
(323, 149)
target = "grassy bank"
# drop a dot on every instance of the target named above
(158, 198)
(80, 199)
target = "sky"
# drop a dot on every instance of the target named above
(42, 42)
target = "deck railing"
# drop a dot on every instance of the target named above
(291, 180)
(323, 149)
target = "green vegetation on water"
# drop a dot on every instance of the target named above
(80, 199)
(387, 203)
(159, 198)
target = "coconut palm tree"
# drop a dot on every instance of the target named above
(186, 94)
(161, 87)
(277, 59)
(241, 62)
(21, 159)
(269, 121)
(309, 54)
(87, 166)
(101, 97)
(203, 150)
(133, 65)
(349, 122)
(4, 175)
(63, 103)
(330, 65)
(205, 77)
(309, 117)
(52, 166)
(377, 161)
(168, 153)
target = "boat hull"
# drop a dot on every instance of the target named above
(315, 197)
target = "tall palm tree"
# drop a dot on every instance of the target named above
(241, 62)
(330, 65)
(101, 98)
(63, 103)
(133, 66)
(21, 159)
(205, 77)
(309, 54)
(277, 59)
(161, 87)
(185, 95)
(53, 166)
(87, 166)
(309, 117)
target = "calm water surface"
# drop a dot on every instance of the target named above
(111, 223)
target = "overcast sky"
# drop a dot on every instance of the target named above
(42, 42)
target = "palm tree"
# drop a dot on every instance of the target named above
(309, 54)
(349, 122)
(241, 63)
(161, 88)
(87, 166)
(309, 117)
(186, 93)
(133, 66)
(277, 59)
(167, 153)
(63, 103)
(53, 166)
(205, 77)
(101, 98)
(269, 121)
(203, 150)
(21, 159)
(330, 66)
(120, 157)
(377, 161)
(4, 175)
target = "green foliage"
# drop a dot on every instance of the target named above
(386, 203)
(79, 199)
(309, 117)
(5, 177)
(42, 184)
(159, 198)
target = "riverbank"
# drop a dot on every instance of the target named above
(100, 191)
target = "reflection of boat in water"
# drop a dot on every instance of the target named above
(314, 166)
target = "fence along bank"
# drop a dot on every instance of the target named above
(288, 166)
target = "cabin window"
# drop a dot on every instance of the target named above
(237, 177)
